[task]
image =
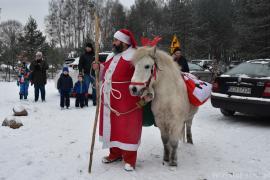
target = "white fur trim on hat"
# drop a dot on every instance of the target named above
(122, 37)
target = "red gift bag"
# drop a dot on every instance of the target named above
(198, 91)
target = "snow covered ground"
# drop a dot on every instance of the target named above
(54, 144)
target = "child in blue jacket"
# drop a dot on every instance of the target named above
(80, 90)
(23, 82)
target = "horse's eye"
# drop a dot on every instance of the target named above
(147, 66)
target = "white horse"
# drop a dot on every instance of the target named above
(156, 74)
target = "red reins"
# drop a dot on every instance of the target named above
(147, 83)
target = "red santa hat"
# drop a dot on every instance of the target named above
(125, 36)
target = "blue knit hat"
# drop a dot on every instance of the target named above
(65, 69)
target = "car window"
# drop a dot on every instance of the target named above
(68, 61)
(195, 67)
(251, 69)
(196, 61)
(208, 62)
(202, 62)
(235, 62)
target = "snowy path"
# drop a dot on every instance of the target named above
(53, 144)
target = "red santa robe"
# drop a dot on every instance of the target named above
(122, 131)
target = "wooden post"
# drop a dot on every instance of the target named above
(97, 34)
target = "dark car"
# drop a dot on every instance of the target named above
(103, 56)
(203, 62)
(200, 73)
(245, 89)
(234, 63)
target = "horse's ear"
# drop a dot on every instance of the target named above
(154, 51)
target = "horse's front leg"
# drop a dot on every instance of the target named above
(175, 135)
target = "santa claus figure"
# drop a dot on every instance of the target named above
(120, 118)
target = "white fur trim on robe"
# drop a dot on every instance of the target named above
(106, 136)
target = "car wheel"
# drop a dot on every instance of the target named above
(227, 112)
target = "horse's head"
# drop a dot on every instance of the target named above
(144, 60)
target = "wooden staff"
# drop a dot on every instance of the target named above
(97, 34)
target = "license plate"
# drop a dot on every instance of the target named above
(241, 90)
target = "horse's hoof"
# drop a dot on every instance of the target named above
(189, 141)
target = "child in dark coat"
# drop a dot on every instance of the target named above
(65, 85)
(23, 82)
(80, 90)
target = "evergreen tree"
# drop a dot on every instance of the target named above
(143, 18)
(2, 51)
(32, 40)
(253, 27)
(221, 29)
(54, 55)
(212, 28)
(180, 22)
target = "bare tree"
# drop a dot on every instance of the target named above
(9, 34)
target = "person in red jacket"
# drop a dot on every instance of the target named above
(120, 121)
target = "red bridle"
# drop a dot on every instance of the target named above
(147, 83)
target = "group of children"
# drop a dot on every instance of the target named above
(66, 89)
(64, 86)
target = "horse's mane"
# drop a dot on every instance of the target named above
(162, 59)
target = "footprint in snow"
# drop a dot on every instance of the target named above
(155, 155)
(29, 163)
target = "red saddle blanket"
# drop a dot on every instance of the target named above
(198, 91)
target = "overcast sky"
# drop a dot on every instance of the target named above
(21, 9)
